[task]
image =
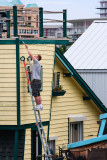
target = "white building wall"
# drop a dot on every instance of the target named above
(97, 81)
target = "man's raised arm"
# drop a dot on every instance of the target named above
(29, 52)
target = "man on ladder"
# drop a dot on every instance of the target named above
(36, 80)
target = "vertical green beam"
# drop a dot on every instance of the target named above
(40, 22)
(39, 147)
(24, 143)
(15, 20)
(64, 23)
(18, 80)
(68, 130)
(16, 145)
(8, 25)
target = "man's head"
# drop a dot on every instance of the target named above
(38, 57)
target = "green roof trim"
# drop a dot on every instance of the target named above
(32, 5)
(81, 82)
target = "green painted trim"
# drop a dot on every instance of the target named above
(16, 145)
(51, 101)
(40, 22)
(11, 41)
(64, 23)
(39, 147)
(15, 21)
(24, 143)
(18, 80)
(45, 41)
(68, 129)
(20, 127)
(8, 42)
(8, 24)
(81, 82)
(31, 144)
(41, 78)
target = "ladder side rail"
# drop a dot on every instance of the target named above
(44, 134)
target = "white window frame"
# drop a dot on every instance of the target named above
(50, 143)
(80, 130)
(74, 119)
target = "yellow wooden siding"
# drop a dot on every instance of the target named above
(47, 62)
(27, 149)
(8, 109)
(70, 104)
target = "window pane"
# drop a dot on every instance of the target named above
(52, 146)
(76, 132)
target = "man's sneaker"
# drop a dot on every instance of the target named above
(37, 108)
(41, 108)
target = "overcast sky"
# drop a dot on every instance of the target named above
(76, 9)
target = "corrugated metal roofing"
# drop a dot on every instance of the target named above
(90, 49)
(5, 3)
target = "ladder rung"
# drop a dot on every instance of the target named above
(39, 119)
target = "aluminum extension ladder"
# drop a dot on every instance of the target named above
(39, 124)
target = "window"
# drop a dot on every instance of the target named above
(22, 30)
(29, 25)
(35, 31)
(29, 18)
(19, 30)
(76, 132)
(56, 79)
(22, 18)
(52, 146)
(29, 31)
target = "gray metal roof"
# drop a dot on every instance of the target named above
(90, 49)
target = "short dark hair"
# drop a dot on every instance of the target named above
(39, 57)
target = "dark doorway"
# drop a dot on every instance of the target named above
(35, 145)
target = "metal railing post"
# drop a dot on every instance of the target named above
(8, 24)
(15, 21)
(40, 22)
(64, 23)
